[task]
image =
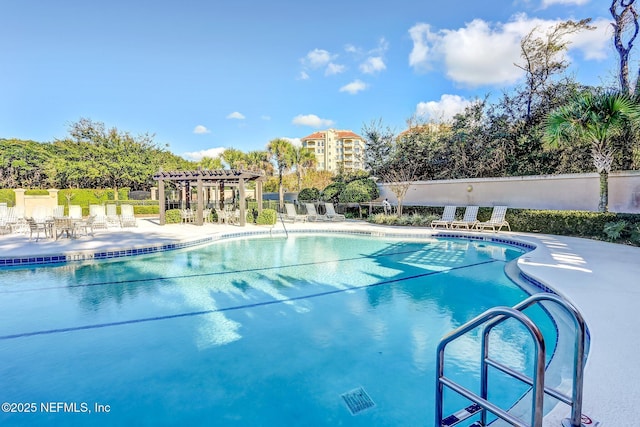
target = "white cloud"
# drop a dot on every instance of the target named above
(303, 76)
(236, 115)
(547, 3)
(442, 110)
(372, 65)
(419, 56)
(198, 155)
(334, 69)
(201, 130)
(317, 58)
(354, 87)
(311, 120)
(296, 142)
(484, 54)
(349, 48)
(265, 117)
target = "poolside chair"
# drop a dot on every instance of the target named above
(497, 220)
(291, 214)
(98, 211)
(469, 220)
(312, 214)
(75, 212)
(185, 214)
(331, 213)
(112, 214)
(448, 215)
(83, 226)
(36, 227)
(58, 211)
(127, 216)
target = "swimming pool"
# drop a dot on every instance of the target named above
(248, 332)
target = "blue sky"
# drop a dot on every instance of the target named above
(205, 75)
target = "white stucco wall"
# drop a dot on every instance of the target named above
(566, 192)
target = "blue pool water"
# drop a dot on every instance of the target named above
(253, 332)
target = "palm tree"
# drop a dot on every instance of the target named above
(259, 161)
(594, 119)
(234, 158)
(303, 158)
(210, 163)
(281, 153)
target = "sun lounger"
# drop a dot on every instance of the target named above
(127, 217)
(331, 213)
(448, 215)
(291, 214)
(469, 220)
(312, 214)
(497, 220)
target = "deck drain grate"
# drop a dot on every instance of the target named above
(357, 400)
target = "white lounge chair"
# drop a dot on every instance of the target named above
(112, 214)
(127, 216)
(98, 211)
(291, 214)
(312, 214)
(448, 215)
(75, 211)
(469, 220)
(331, 213)
(497, 220)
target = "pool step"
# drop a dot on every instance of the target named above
(462, 415)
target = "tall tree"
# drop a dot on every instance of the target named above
(595, 119)
(281, 154)
(543, 55)
(302, 159)
(234, 158)
(210, 163)
(258, 160)
(378, 140)
(625, 31)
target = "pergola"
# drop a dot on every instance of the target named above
(209, 178)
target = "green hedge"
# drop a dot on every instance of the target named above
(594, 225)
(8, 196)
(86, 197)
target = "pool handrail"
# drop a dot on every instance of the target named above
(492, 318)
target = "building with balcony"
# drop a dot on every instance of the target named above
(337, 151)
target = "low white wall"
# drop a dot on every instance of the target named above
(564, 192)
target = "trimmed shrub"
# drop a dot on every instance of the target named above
(361, 190)
(309, 194)
(331, 193)
(267, 217)
(36, 192)
(172, 216)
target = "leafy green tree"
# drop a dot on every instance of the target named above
(111, 158)
(281, 152)
(378, 140)
(595, 119)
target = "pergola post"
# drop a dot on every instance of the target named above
(242, 202)
(162, 201)
(200, 201)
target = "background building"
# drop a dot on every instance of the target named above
(336, 151)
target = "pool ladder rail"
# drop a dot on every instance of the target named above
(489, 319)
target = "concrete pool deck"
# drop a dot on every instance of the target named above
(601, 279)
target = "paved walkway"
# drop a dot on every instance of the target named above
(601, 279)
